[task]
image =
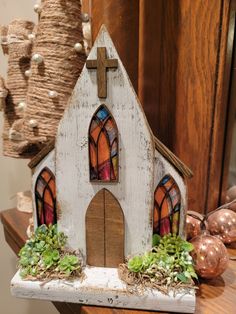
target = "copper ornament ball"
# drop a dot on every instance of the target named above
(210, 256)
(231, 198)
(231, 193)
(192, 227)
(222, 224)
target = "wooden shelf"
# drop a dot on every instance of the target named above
(215, 296)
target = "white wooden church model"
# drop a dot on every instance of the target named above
(109, 184)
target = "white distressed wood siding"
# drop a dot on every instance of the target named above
(162, 168)
(49, 162)
(134, 191)
(102, 287)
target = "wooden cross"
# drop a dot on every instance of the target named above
(102, 64)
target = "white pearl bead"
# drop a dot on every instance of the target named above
(85, 17)
(37, 58)
(27, 73)
(37, 8)
(31, 36)
(21, 106)
(52, 94)
(78, 47)
(33, 123)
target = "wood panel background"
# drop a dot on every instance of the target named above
(228, 96)
(178, 55)
(122, 21)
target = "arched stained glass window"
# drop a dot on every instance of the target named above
(103, 146)
(166, 213)
(45, 198)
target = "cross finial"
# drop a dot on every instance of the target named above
(102, 64)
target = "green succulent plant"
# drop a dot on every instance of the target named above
(50, 258)
(135, 264)
(156, 238)
(44, 255)
(68, 264)
(169, 259)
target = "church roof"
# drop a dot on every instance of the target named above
(41, 154)
(173, 159)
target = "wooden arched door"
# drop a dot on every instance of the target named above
(104, 231)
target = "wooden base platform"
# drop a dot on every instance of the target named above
(102, 287)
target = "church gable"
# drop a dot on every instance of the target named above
(113, 148)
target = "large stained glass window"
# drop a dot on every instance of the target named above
(45, 198)
(166, 214)
(103, 146)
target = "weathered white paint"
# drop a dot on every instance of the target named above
(134, 191)
(49, 162)
(103, 287)
(162, 168)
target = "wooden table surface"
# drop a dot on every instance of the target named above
(216, 296)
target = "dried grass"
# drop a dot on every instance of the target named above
(139, 282)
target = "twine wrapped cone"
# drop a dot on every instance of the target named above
(16, 43)
(55, 67)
